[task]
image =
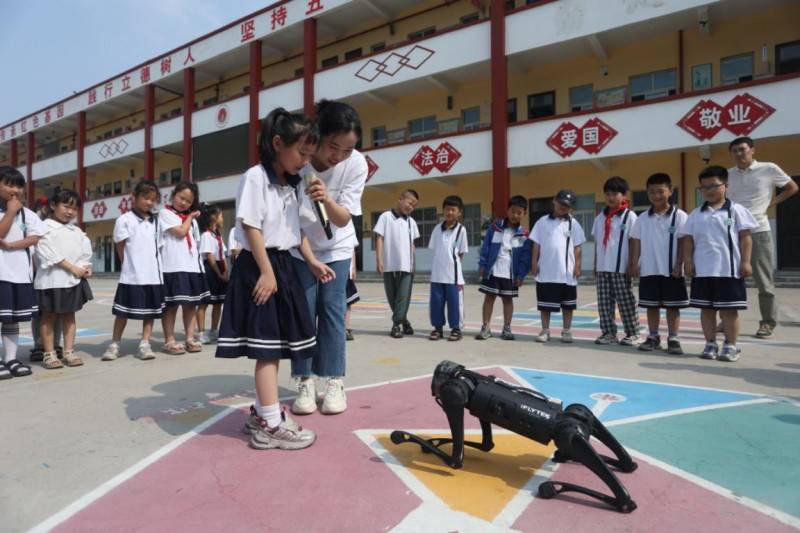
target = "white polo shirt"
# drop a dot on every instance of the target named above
(16, 265)
(557, 239)
(210, 245)
(658, 235)
(753, 188)
(345, 183)
(180, 254)
(62, 241)
(614, 256)
(448, 246)
(233, 244)
(399, 233)
(264, 204)
(141, 260)
(716, 238)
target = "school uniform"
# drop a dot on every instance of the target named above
(233, 242)
(57, 289)
(211, 243)
(399, 233)
(611, 265)
(184, 275)
(717, 258)
(556, 285)
(17, 297)
(447, 275)
(140, 291)
(505, 258)
(658, 238)
(281, 327)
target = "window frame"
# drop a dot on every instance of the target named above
(722, 79)
(532, 96)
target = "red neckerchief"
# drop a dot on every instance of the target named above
(183, 217)
(221, 256)
(609, 218)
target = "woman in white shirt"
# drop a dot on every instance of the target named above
(63, 256)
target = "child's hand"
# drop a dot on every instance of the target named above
(13, 205)
(224, 277)
(316, 190)
(380, 267)
(535, 269)
(194, 214)
(746, 269)
(677, 271)
(481, 272)
(322, 272)
(265, 287)
(633, 270)
(688, 269)
(576, 273)
(518, 282)
(77, 271)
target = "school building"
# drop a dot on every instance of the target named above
(480, 98)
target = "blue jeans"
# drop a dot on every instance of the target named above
(326, 304)
(445, 294)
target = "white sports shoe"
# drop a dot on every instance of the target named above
(543, 336)
(145, 351)
(306, 401)
(335, 400)
(111, 353)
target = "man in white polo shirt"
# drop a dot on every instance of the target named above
(752, 184)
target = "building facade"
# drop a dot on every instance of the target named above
(480, 98)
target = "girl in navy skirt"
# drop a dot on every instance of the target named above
(184, 279)
(140, 291)
(20, 228)
(213, 250)
(265, 316)
(63, 258)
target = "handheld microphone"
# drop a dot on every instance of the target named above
(322, 213)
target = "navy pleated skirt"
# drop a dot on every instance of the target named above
(17, 302)
(64, 300)
(182, 288)
(351, 292)
(281, 328)
(139, 302)
(216, 287)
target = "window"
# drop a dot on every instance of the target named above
(542, 104)
(581, 97)
(583, 212)
(379, 136)
(511, 110)
(414, 35)
(107, 189)
(653, 85)
(118, 131)
(117, 187)
(701, 77)
(472, 224)
(396, 136)
(175, 175)
(787, 58)
(736, 69)
(510, 5)
(422, 127)
(426, 219)
(471, 118)
(353, 54)
(377, 47)
(298, 72)
(330, 62)
(472, 17)
(610, 97)
(210, 101)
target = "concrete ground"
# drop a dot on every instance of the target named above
(68, 432)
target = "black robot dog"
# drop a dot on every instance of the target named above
(531, 414)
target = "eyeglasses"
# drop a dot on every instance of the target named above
(711, 187)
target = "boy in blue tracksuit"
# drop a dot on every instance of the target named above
(505, 261)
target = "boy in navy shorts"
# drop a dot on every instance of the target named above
(655, 258)
(717, 251)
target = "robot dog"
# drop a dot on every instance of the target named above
(531, 414)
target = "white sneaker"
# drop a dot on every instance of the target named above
(543, 336)
(286, 436)
(145, 351)
(203, 337)
(306, 401)
(111, 353)
(335, 400)
(566, 336)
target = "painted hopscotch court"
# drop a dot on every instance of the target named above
(708, 460)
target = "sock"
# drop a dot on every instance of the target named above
(654, 334)
(673, 335)
(270, 413)
(10, 343)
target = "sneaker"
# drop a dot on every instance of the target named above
(202, 337)
(306, 401)
(348, 334)
(506, 335)
(543, 336)
(397, 332)
(674, 347)
(764, 331)
(213, 337)
(730, 353)
(630, 340)
(253, 422)
(566, 336)
(145, 351)
(606, 339)
(335, 400)
(650, 344)
(282, 437)
(485, 333)
(111, 353)
(407, 329)
(711, 351)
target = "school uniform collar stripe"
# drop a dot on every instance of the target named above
(652, 211)
(397, 215)
(291, 179)
(445, 228)
(151, 218)
(554, 217)
(726, 205)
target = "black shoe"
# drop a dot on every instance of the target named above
(397, 332)
(348, 334)
(674, 347)
(407, 329)
(60, 352)
(652, 343)
(36, 355)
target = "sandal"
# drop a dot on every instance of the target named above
(4, 372)
(51, 362)
(173, 348)
(455, 335)
(435, 335)
(70, 359)
(192, 346)
(18, 368)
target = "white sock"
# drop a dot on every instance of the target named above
(270, 413)
(10, 343)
